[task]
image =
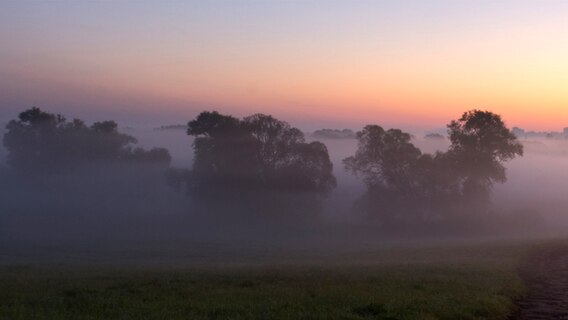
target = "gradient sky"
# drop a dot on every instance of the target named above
(314, 63)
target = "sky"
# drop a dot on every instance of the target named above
(320, 63)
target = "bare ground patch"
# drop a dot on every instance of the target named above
(546, 276)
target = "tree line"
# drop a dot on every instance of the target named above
(260, 166)
(39, 142)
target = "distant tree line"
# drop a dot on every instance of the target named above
(172, 127)
(434, 136)
(262, 167)
(521, 133)
(334, 134)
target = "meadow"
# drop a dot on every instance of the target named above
(448, 279)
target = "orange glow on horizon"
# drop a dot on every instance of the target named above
(384, 62)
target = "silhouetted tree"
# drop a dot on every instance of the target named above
(437, 186)
(256, 159)
(405, 186)
(258, 151)
(384, 158)
(480, 144)
(388, 162)
(39, 141)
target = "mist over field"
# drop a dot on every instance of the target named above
(316, 159)
(132, 209)
(535, 181)
(252, 214)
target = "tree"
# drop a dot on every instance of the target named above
(258, 151)
(384, 158)
(225, 153)
(38, 141)
(480, 144)
(254, 159)
(388, 162)
(27, 138)
(405, 186)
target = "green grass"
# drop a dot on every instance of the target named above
(410, 282)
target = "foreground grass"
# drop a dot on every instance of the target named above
(455, 282)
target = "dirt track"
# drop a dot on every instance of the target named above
(546, 275)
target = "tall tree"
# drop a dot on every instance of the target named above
(388, 162)
(258, 151)
(385, 159)
(480, 144)
(406, 186)
(257, 166)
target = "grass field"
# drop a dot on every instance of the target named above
(410, 281)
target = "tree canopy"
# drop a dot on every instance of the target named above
(46, 142)
(384, 158)
(258, 151)
(403, 184)
(480, 144)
